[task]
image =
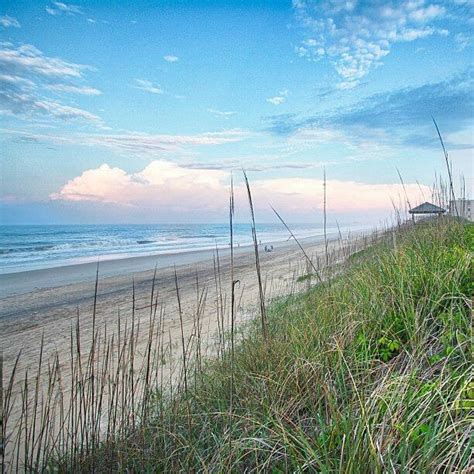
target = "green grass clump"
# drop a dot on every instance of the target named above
(370, 373)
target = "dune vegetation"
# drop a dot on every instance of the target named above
(369, 371)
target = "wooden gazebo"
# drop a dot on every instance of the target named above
(426, 209)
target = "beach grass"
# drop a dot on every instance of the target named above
(370, 373)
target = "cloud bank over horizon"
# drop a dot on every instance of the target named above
(168, 188)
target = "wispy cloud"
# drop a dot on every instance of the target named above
(82, 90)
(59, 8)
(141, 143)
(402, 117)
(171, 58)
(356, 36)
(463, 40)
(26, 74)
(279, 99)
(64, 112)
(27, 59)
(21, 81)
(18, 98)
(9, 22)
(249, 164)
(148, 86)
(284, 124)
(220, 113)
(144, 142)
(452, 101)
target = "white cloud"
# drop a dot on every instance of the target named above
(276, 100)
(166, 186)
(17, 80)
(162, 184)
(170, 58)
(65, 112)
(82, 90)
(423, 15)
(9, 21)
(58, 8)
(148, 86)
(279, 99)
(220, 113)
(355, 37)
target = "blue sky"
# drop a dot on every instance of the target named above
(139, 111)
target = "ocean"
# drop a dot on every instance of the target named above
(31, 247)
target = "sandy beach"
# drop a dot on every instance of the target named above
(45, 303)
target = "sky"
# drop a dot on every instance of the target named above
(140, 112)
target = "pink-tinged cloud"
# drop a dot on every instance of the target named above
(297, 194)
(168, 187)
(162, 185)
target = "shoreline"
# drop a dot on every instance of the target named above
(50, 312)
(26, 281)
(13, 260)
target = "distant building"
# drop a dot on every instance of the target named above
(426, 210)
(462, 208)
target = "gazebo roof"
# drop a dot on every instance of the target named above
(427, 208)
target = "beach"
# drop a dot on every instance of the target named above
(40, 311)
(47, 303)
